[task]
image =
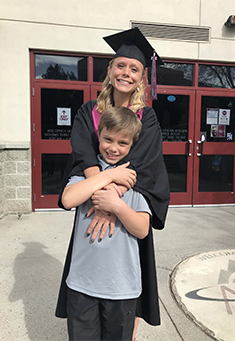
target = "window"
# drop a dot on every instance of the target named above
(179, 74)
(172, 112)
(100, 66)
(216, 76)
(51, 101)
(60, 67)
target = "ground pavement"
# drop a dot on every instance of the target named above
(195, 256)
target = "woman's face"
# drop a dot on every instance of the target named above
(126, 74)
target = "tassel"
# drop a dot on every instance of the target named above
(153, 90)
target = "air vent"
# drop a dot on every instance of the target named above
(174, 32)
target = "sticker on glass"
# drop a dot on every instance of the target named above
(171, 98)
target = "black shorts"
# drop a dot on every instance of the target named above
(91, 318)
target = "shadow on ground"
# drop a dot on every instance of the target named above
(37, 279)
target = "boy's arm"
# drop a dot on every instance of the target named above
(91, 171)
(76, 194)
(136, 223)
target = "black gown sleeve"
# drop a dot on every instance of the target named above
(147, 159)
(83, 139)
(84, 146)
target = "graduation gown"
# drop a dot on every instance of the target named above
(152, 181)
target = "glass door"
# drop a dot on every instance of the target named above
(54, 108)
(214, 164)
(175, 111)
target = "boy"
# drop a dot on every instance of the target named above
(104, 280)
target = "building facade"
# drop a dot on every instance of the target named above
(53, 59)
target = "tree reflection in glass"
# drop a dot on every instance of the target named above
(215, 76)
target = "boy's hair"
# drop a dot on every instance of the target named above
(121, 119)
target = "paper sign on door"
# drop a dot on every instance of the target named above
(64, 116)
(224, 116)
(212, 116)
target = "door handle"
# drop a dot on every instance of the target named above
(201, 143)
(188, 151)
(198, 142)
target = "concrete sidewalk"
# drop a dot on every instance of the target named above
(195, 253)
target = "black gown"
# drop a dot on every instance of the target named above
(152, 181)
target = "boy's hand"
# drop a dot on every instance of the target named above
(123, 175)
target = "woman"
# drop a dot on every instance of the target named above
(124, 86)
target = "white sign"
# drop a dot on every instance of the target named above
(64, 116)
(224, 116)
(212, 116)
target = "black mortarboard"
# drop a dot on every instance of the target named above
(132, 44)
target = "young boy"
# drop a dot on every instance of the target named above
(104, 279)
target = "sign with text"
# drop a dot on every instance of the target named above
(64, 116)
(175, 135)
(224, 116)
(212, 116)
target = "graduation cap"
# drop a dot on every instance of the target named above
(133, 44)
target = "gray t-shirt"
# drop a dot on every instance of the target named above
(108, 269)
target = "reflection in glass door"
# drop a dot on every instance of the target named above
(215, 149)
(58, 109)
(175, 112)
(55, 109)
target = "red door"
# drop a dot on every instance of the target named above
(54, 107)
(214, 151)
(175, 110)
(95, 90)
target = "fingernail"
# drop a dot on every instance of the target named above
(86, 215)
(99, 240)
(122, 194)
(110, 236)
(88, 234)
(92, 240)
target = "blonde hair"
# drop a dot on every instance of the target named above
(105, 98)
(121, 119)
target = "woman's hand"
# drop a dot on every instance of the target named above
(102, 219)
(100, 223)
(106, 200)
(123, 176)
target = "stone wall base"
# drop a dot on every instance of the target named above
(15, 181)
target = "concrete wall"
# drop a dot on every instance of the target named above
(78, 26)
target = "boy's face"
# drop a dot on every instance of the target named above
(114, 145)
